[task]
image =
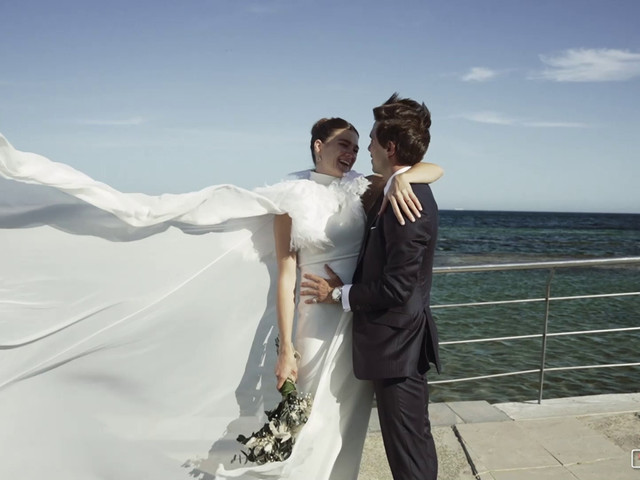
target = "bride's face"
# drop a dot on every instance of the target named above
(336, 155)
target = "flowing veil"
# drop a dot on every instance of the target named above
(136, 332)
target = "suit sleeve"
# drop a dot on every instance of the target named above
(405, 247)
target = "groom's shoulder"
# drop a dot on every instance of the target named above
(423, 192)
(429, 214)
(421, 187)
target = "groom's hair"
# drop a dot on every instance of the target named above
(406, 123)
(325, 128)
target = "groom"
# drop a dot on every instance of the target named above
(394, 335)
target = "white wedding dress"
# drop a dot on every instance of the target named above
(137, 332)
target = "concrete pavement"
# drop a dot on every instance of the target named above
(578, 438)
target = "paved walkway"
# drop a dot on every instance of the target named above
(579, 438)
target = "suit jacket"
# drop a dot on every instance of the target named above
(394, 334)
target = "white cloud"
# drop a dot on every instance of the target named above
(479, 74)
(555, 124)
(112, 122)
(262, 9)
(266, 7)
(271, 7)
(497, 118)
(590, 65)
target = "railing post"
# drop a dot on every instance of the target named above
(543, 355)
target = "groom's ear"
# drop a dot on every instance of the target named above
(391, 149)
(316, 145)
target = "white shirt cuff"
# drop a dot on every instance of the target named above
(345, 298)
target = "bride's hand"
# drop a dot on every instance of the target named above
(286, 366)
(402, 199)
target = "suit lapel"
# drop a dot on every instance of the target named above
(372, 215)
(372, 218)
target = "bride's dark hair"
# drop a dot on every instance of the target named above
(325, 128)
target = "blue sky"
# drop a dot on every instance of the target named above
(535, 104)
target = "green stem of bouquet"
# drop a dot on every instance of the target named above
(287, 387)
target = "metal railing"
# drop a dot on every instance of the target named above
(547, 299)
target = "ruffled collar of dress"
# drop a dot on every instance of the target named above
(307, 175)
(310, 198)
(322, 178)
(352, 181)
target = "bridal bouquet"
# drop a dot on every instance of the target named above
(274, 441)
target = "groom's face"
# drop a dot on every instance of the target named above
(379, 158)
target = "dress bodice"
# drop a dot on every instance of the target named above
(317, 324)
(344, 230)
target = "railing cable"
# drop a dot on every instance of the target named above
(548, 299)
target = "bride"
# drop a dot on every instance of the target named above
(136, 332)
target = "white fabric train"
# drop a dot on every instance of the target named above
(136, 332)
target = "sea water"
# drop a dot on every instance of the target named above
(480, 237)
